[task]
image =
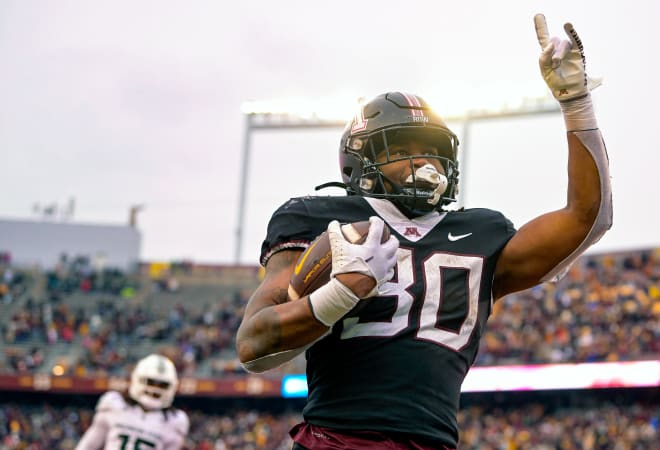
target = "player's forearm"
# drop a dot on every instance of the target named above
(584, 180)
(264, 329)
(277, 328)
(589, 190)
(589, 199)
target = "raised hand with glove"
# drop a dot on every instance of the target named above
(563, 67)
(372, 260)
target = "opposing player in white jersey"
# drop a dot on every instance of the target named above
(144, 419)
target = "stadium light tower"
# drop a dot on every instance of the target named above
(282, 115)
(306, 114)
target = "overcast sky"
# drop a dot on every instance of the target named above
(139, 102)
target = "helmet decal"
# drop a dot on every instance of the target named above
(360, 122)
(415, 111)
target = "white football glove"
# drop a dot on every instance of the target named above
(332, 301)
(562, 63)
(370, 258)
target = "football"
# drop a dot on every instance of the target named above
(314, 265)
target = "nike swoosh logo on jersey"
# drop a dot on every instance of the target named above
(300, 264)
(453, 238)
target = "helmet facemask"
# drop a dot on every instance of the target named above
(426, 188)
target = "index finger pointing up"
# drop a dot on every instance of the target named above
(541, 30)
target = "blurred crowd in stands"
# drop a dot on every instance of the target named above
(534, 427)
(47, 427)
(99, 323)
(530, 426)
(607, 308)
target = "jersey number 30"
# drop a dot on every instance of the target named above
(431, 311)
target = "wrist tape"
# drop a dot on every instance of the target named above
(331, 301)
(579, 114)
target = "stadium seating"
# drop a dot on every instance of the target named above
(530, 425)
(605, 309)
(70, 323)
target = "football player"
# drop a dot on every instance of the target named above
(388, 374)
(144, 419)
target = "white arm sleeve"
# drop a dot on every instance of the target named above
(593, 141)
(181, 424)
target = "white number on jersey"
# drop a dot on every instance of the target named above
(431, 312)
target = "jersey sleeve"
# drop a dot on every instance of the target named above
(94, 437)
(110, 401)
(289, 228)
(180, 423)
(509, 230)
(500, 233)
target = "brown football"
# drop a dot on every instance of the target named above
(314, 265)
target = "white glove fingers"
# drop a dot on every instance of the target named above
(562, 62)
(376, 225)
(334, 230)
(546, 55)
(372, 259)
(390, 249)
(573, 36)
(337, 241)
(391, 246)
(562, 47)
(541, 30)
